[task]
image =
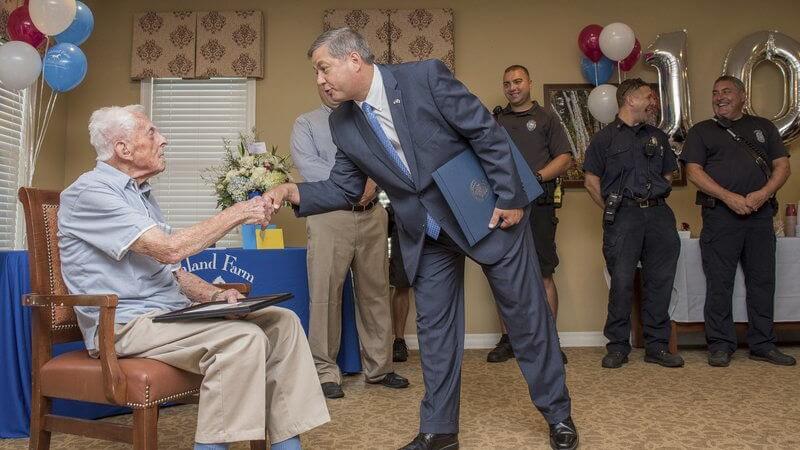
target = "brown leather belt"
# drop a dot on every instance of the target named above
(362, 208)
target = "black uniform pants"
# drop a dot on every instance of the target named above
(722, 246)
(647, 235)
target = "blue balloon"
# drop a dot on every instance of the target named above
(64, 67)
(604, 69)
(80, 28)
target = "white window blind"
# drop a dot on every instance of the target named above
(12, 105)
(194, 116)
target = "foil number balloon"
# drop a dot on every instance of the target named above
(784, 52)
(668, 55)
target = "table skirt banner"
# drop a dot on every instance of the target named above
(689, 290)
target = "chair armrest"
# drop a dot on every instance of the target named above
(244, 288)
(114, 382)
(38, 300)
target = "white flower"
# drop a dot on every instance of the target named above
(246, 161)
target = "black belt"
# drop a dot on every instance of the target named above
(362, 208)
(643, 203)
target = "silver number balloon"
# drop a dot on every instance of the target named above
(784, 52)
(668, 55)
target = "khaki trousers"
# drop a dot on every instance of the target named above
(337, 242)
(257, 372)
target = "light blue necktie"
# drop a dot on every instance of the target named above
(432, 228)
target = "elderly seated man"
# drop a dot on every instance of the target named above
(258, 373)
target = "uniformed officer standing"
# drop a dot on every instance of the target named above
(543, 142)
(628, 173)
(738, 162)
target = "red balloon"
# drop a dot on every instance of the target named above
(589, 42)
(631, 60)
(21, 27)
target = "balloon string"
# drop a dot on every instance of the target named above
(619, 74)
(41, 88)
(30, 134)
(51, 103)
(596, 78)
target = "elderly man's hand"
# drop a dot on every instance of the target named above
(254, 211)
(229, 295)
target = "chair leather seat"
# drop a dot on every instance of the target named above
(76, 375)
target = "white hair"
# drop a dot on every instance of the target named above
(111, 124)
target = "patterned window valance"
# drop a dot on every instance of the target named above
(203, 44)
(6, 8)
(400, 35)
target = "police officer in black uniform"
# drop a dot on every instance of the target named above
(628, 173)
(738, 162)
(541, 139)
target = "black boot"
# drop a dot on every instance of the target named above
(399, 350)
(501, 352)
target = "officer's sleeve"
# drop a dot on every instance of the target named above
(104, 220)
(669, 163)
(557, 139)
(775, 147)
(694, 149)
(594, 161)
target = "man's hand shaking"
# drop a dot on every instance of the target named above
(254, 211)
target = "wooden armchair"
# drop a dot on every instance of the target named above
(139, 383)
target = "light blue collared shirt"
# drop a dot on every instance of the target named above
(313, 151)
(101, 215)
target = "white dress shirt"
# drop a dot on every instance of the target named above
(380, 103)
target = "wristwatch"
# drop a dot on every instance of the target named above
(538, 176)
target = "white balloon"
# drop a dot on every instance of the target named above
(20, 65)
(603, 103)
(617, 41)
(52, 16)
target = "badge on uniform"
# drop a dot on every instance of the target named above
(531, 125)
(760, 136)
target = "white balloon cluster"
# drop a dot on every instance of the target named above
(616, 42)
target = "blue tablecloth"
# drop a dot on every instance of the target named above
(267, 271)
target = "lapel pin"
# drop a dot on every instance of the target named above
(396, 101)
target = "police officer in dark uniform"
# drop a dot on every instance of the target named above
(738, 162)
(543, 142)
(628, 173)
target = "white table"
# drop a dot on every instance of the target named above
(689, 290)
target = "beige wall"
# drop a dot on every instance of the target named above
(489, 36)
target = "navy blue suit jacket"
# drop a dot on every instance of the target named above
(436, 118)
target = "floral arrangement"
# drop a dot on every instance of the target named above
(247, 167)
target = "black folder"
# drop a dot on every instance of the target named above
(213, 310)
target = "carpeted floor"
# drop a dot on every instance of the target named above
(641, 406)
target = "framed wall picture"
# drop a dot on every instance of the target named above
(570, 103)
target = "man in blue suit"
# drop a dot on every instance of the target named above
(397, 124)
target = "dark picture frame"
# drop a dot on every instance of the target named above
(569, 101)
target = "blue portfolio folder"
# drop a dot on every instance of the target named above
(464, 185)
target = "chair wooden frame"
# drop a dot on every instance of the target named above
(49, 298)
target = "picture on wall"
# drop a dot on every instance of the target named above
(570, 103)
